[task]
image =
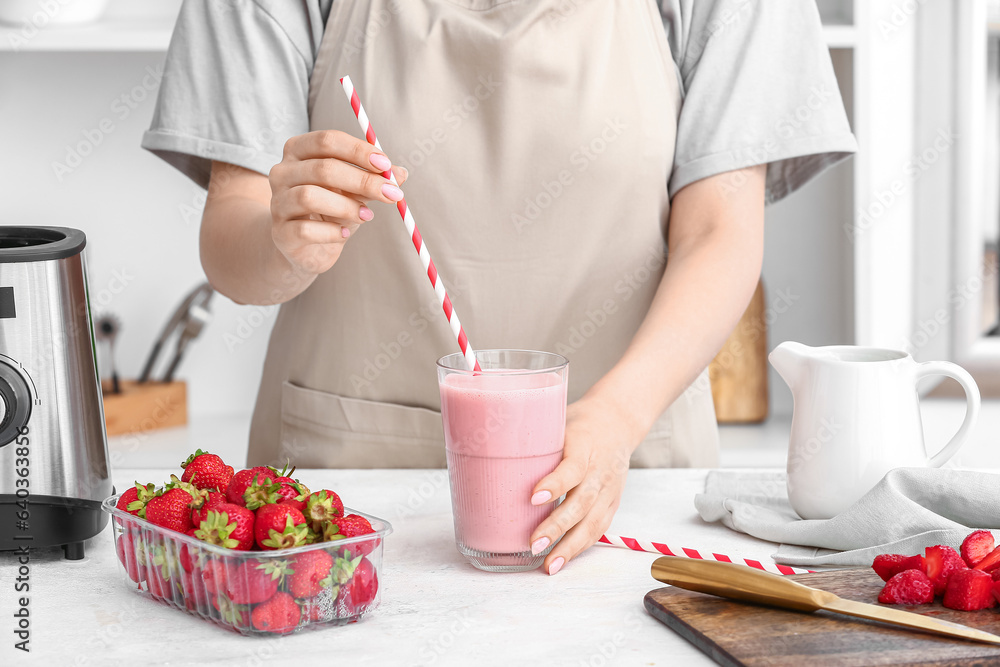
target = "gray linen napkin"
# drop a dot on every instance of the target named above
(910, 509)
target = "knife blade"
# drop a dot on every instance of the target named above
(738, 582)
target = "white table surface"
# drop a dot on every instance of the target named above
(436, 609)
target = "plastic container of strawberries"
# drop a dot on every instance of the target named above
(225, 587)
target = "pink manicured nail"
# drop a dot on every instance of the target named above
(556, 565)
(380, 161)
(539, 545)
(392, 192)
(345, 232)
(541, 497)
(366, 213)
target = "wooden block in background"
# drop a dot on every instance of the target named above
(739, 371)
(145, 407)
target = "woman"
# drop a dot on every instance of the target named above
(554, 151)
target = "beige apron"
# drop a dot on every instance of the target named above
(539, 136)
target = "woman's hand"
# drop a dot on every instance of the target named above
(592, 475)
(318, 194)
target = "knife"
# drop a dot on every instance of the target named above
(738, 582)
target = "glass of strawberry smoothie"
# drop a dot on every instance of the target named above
(503, 432)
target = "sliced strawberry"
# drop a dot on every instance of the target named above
(977, 546)
(909, 587)
(940, 562)
(969, 590)
(889, 565)
(990, 561)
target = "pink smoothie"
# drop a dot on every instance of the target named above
(503, 433)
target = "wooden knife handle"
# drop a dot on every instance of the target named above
(738, 582)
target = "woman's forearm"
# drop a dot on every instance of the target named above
(238, 253)
(715, 255)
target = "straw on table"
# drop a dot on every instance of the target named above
(659, 548)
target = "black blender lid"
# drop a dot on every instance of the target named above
(39, 244)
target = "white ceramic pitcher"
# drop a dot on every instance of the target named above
(855, 418)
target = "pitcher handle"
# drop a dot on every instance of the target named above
(972, 401)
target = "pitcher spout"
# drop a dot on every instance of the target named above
(789, 360)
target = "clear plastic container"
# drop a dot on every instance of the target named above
(230, 587)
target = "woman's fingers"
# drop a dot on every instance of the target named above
(339, 145)
(313, 232)
(566, 476)
(583, 535)
(302, 201)
(338, 176)
(577, 505)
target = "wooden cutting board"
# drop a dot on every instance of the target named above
(733, 633)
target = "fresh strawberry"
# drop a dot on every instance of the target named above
(158, 586)
(190, 561)
(208, 501)
(977, 546)
(207, 471)
(215, 575)
(195, 596)
(356, 594)
(236, 615)
(172, 508)
(279, 614)
(322, 607)
(969, 590)
(132, 556)
(889, 565)
(291, 492)
(909, 587)
(241, 480)
(253, 582)
(940, 562)
(229, 526)
(163, 564)
(134, 499)
(311, 568)
(349, 526)
(995, 574)
(280, 527)
(990, 561)
(321, 507)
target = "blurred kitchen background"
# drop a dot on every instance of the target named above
(897, 247)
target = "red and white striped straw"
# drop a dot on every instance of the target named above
(411, 227)
(657, 548)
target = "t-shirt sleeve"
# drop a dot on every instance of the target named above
(235, 85)
(759, 88)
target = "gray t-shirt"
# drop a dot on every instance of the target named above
(756, 77)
